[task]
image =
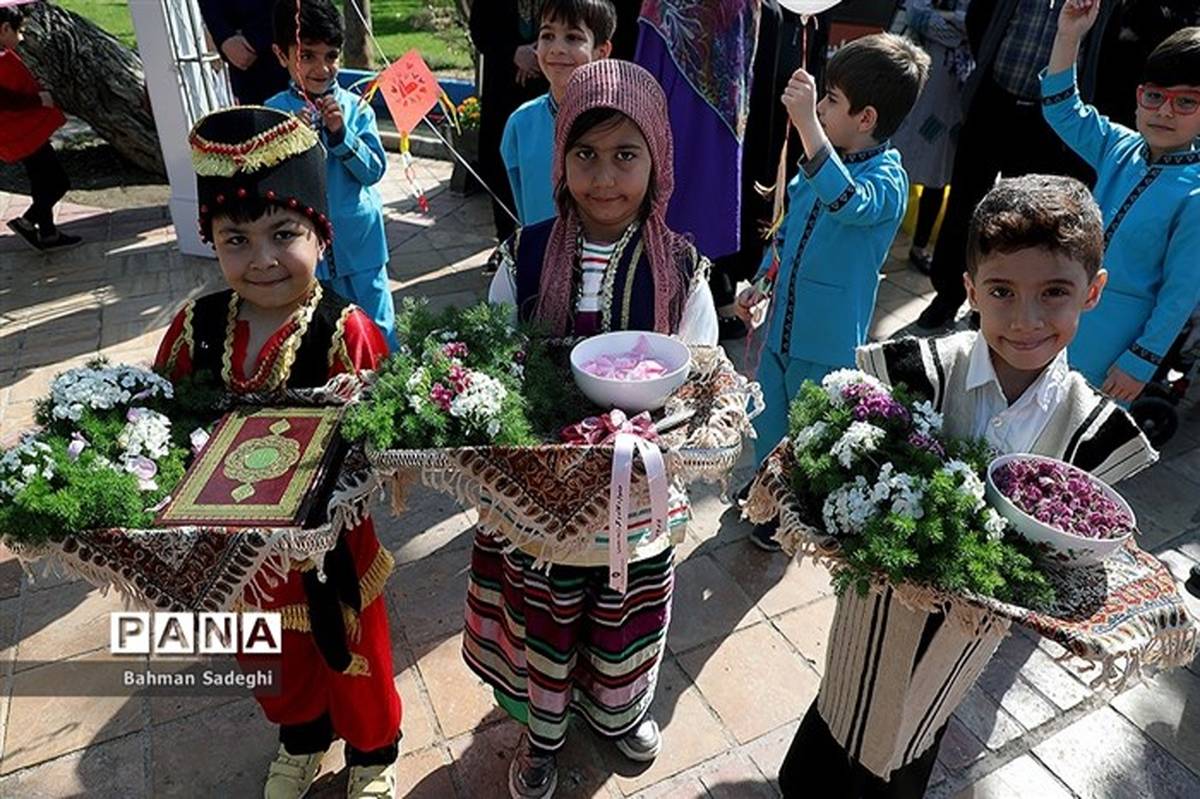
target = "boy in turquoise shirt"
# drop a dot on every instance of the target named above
(1148, 188)
(844, 209)
(571, 33)
(356, 264)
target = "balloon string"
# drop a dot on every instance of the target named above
(753, 356)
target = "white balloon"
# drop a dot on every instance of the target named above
(808, 7)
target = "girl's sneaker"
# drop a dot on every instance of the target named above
(533, 774)
(290, 776)
(372, 782)
(642, 743)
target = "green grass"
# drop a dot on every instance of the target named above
(400, 25)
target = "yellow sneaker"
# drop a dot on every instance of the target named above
(290, 776)
(372, 782)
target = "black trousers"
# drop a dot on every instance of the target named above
(317, 735)
(1000, 136)
(817, 765)
(48, 184)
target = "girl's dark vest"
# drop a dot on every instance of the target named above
(636, 277)
(210, 318)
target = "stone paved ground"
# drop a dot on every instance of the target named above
(746, 644)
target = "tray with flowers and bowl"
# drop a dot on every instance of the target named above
(177, 494)
(869, 484)
(527, 428)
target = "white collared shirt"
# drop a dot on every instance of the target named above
(1013, 427)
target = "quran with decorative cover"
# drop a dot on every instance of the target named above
(260, 468)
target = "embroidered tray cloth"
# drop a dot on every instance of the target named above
(1123, 614)
(556, 495)
(209, 567)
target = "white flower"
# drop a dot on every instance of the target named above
(102, 387)
(849, 508)
(480, 403)
(22, 464)
(969, 484)
(994, 524)
(835, 382)
(860, 437)
(927, 421)
(147, 433)
(805, 437)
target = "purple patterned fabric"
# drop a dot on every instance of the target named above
(702, 52)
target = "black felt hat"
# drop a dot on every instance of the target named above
(257, 152)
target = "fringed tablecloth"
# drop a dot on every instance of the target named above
(1124, 614)
(554, 498)
(212, 568)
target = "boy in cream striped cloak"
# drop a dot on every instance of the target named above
(893, 675)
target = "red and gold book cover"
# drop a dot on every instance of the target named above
(260, 468)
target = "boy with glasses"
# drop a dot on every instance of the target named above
(1148, 188)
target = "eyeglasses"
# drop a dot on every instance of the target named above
(1183, 101)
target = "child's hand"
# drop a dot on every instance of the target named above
(746, 302)
(800, 100)
(1077, 18)
(1120, 386)
(47, 99)
(331, 114)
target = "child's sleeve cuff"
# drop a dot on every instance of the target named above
(832, 182)
(1139, 363)
(1057, 87)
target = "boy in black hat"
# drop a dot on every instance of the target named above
(261, 186)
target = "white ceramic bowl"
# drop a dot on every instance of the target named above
(636, 396)
(1057, 545)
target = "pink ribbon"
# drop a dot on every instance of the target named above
(603, 429)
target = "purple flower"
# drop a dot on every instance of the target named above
(133, 414)
(927, 443)
(1063, 497)
(870, 402)
(77, 445)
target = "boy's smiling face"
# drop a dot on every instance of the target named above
(1164, 128)
(314, 66)
(563, 47)
(1029, 302)
(271, 261)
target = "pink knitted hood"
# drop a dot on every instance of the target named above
(628, 88)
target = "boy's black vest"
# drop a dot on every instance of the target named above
(210, 320)
(632, 302)
(340, 584)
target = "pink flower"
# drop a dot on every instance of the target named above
(77, 445)
(455, 349)
(144, 470)
(1063, 497)
(440, 396)
(460, 379)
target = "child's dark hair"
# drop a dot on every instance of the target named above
(13, 16)
(598, 16)
(245, 210)
(1049, 212)
(591, 119)
(884, 71)
(1175, 61)
(320, 21)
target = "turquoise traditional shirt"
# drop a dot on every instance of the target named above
(528, 151)
(843, 213)
(1151, 235)
(356, 162)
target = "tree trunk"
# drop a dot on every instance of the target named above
(358, 53)
(96, 78)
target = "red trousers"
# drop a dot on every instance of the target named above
(364, 708)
